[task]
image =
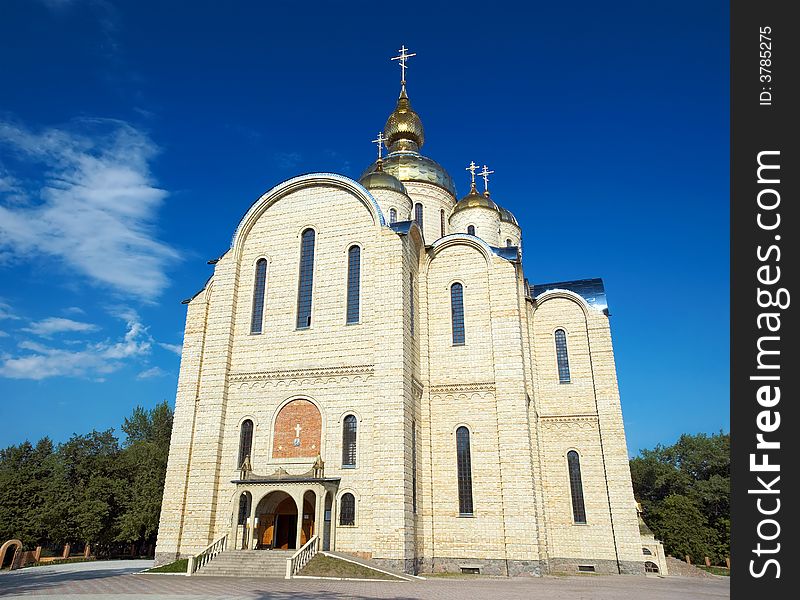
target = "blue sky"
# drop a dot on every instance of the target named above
(133, 137)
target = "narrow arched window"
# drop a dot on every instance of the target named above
(576, 487)
(306, 283)
(457, 313)
(471, 229)
(353, 283)
(411, 300)
(561, 355)
(508, 243)
(441, 219)
(349, 431)
(347, 509)
(464, 463)
(418, 214)
(256, 322)
(245, 441)
(244, 508)
(392, 215)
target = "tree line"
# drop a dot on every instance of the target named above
(90, 489)
(684, 490)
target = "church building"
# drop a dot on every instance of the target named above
(370, 368)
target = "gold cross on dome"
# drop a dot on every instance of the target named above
(472, 168)
(485, 174)
(403, 57)
(379, 140)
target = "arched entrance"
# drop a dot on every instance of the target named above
(277, 522)
(7, 553)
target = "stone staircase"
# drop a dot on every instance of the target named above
(248, 563)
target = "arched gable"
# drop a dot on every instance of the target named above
(297, 183)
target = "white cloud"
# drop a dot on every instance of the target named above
(3, 334)
(6, 312)
(74, 310)
(42, 361)
(151, 373)
(176, 348)
(51, 325)
(95, 208)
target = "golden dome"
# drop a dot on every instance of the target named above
(412, 166)
(381, 180)
(475, 200)
(403, 129)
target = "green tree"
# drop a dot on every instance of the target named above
(685, 494)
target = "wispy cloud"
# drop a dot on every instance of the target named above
(96, 205)
(51, 325)
(287, 160)
(6, 312)
(151, 373)
(39, 361)
(176, 348)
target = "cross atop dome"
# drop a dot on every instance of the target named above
(379, 141)
(403, 57)
(485, 174)
(472, 168)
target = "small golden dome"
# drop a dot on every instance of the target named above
(475, 200)
(403, 129)
(381, 180)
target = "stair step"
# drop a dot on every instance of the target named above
(247, 563)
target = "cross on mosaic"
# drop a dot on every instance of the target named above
(370, 370)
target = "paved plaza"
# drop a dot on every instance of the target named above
(121, 580)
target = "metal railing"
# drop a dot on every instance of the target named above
(207, 555)
(300, 558)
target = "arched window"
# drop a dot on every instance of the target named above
(349, 430)
(392, 215)
(471, 229)
(411, 299)
(353, 283)
(258, 296)
(347, 509)
(245, 441)
(457, 312)
(244, 508)
(646, 551)
(576, 487)
(418, 214)
(650, 567)
(464, 463)
(561, 355)
(508, 243)
(306, 282)
(441, 221)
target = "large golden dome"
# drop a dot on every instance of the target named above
(381, 180)
(403, 129)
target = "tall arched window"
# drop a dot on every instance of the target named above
(306, 283)
(347, 509)
(441, 221)
(576, 487)
(259, 290)
(353, 283)
(464, 463)
(457, 313)
(349, 431)
(471, 229)
(245, 441)
(392, 215)
(418, 214)
(561, 355)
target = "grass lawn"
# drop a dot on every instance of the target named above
(327, 566)
(179, 566)
(716, 570)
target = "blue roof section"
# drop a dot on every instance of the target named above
(510, 253)
(591, 290)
